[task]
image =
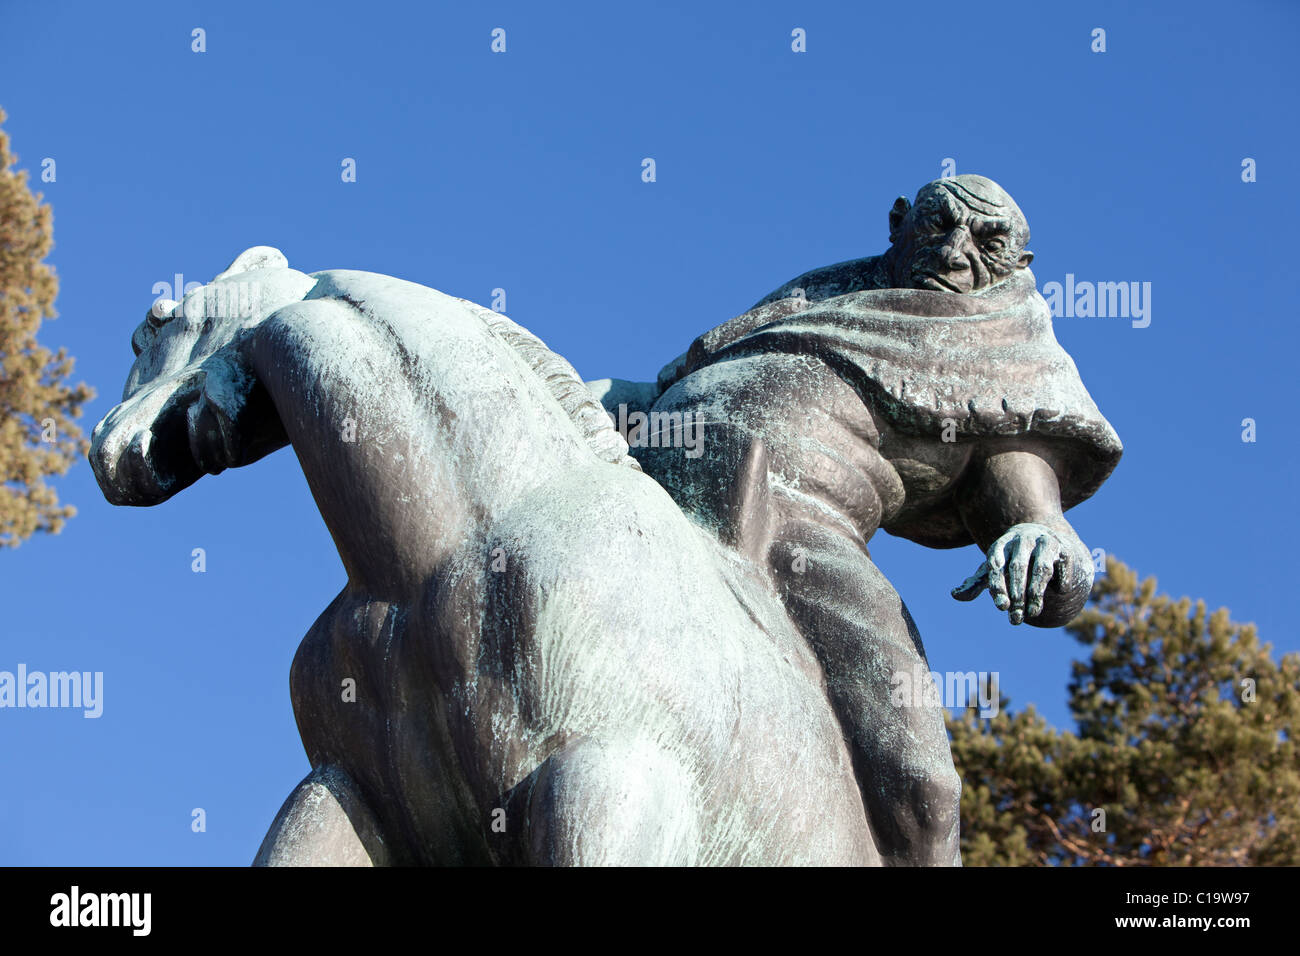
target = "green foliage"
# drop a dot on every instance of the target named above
(1185, 738)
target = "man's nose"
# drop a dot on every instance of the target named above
(955, 251)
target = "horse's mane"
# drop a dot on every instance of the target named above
(565, 385)
(560, 378)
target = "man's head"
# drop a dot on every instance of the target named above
(963, 234)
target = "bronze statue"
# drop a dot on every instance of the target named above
(920, 391)
(549, 651)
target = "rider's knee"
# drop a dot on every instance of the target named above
(932, 826)
(936, 800)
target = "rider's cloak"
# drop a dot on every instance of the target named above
(940, 364)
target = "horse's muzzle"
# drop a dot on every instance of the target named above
(140, 452)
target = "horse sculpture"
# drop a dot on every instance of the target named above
(565, 650)
(552, 663)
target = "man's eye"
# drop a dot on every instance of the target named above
(994, 245)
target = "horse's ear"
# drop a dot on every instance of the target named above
(258, 257)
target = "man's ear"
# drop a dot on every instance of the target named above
(1026, 257)
(901, 209)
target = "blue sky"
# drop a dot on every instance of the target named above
(522, 171)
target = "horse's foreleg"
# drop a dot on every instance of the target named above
(324, 822)
(596, 803)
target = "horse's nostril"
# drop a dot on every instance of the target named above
(140, 336)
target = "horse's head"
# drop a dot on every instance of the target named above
(191, 406)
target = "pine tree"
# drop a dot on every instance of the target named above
(38, 407)
(1185, 742)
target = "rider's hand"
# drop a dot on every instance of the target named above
(1018, 568)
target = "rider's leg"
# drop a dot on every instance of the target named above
(868, 645)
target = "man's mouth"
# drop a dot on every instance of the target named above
(935, 282)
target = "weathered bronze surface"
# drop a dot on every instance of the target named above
(556, 649)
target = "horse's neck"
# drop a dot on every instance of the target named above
(415, 426)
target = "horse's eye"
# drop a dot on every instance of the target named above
(161, 312)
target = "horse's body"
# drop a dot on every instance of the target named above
(537, 658)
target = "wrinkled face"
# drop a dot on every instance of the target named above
(962, 235)
(191, 406)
